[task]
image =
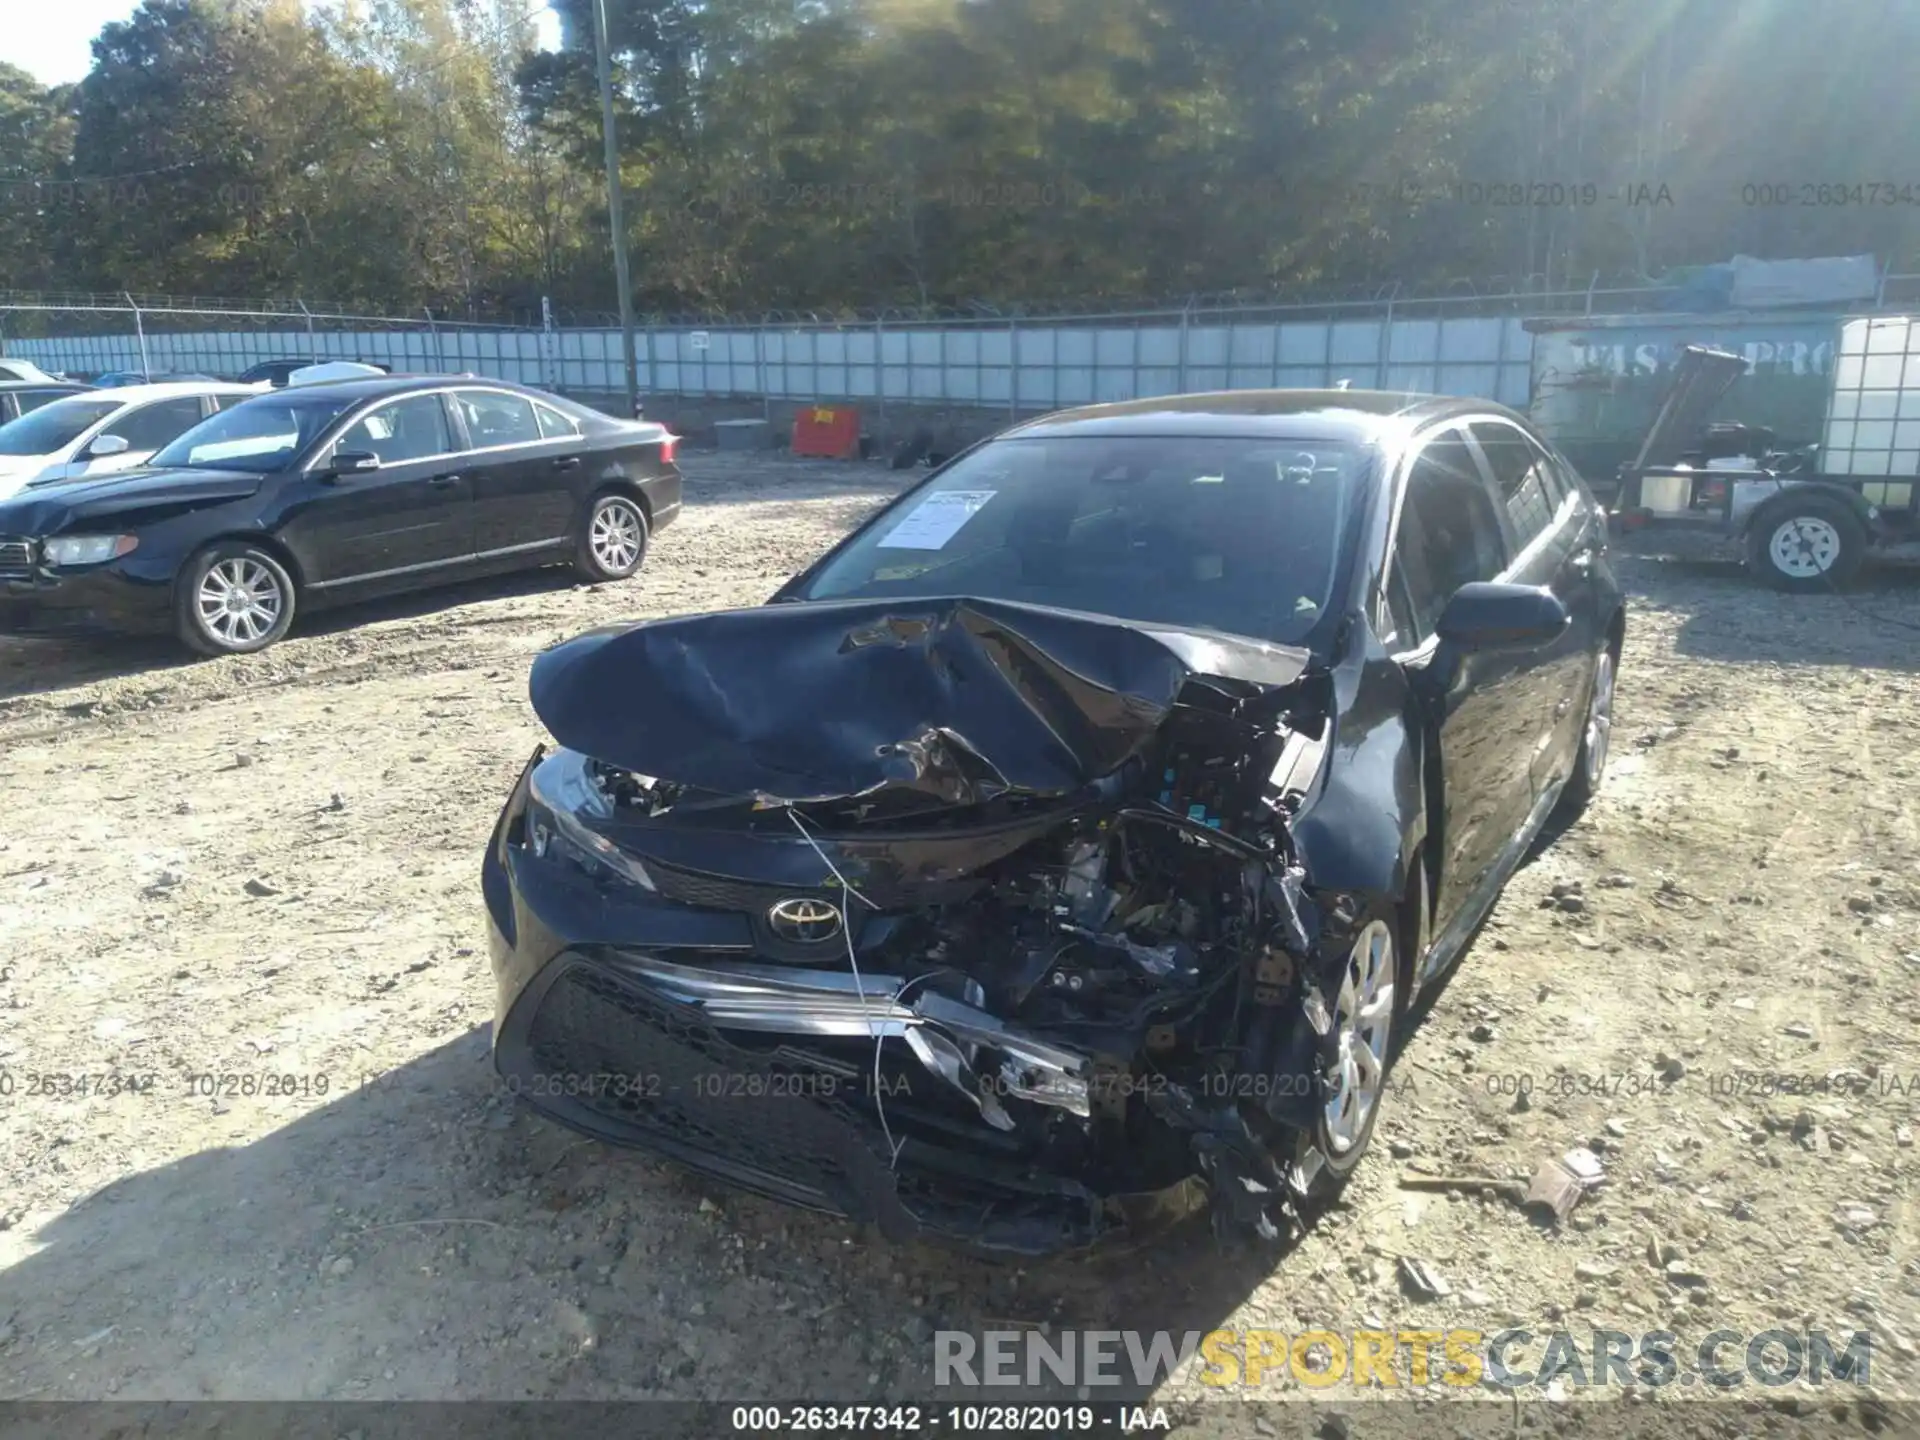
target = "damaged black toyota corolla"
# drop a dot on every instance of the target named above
(1069, 843)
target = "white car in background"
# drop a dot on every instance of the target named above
(24, 370)
(104, 431)
(327, 371)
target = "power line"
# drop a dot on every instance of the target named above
(100, 179)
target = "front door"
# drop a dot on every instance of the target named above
(1546, 526)
(412, 516)
(1448, 535)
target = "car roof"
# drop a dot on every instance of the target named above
(74, 385)
(1357, 417)
(375, 387)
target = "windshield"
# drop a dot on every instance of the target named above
(1234, 535)
(54, 427)
(262, 434)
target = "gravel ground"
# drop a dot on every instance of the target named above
(268, 867)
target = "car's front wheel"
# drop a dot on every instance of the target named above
(1596, 737)
(613, 538)
(1366, 1012)
(233, 599)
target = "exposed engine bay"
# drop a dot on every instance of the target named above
(1113, 988)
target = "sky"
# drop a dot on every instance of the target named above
(56, 47)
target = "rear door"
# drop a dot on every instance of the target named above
(1448, 533)
(526, 464)
(1546, 528)
(412, 516)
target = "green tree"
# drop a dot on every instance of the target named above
(36, 137)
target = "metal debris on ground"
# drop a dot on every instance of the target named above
(1560, 1184)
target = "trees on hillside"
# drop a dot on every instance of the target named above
(832, 153)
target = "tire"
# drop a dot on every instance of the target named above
(233, 598)
(612, 544)
(913, 451)
(1328, 1153)
(1596, 736)
(1807, 546)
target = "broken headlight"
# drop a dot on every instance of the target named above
(561, 798)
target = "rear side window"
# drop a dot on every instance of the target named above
(1449, 534)
(1571, 481)
(496, 419)
(554, 425)
(1524, 476)
(158, 424)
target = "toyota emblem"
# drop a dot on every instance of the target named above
(804, 921)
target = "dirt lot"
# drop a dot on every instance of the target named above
(269, 866)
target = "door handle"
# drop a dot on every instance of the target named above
(442, 482)
(1583, 562)
(567, 462)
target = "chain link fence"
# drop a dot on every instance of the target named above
(1469, 339)
(85, 336)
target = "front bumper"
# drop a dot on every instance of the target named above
(611, 1019)
(98, 599)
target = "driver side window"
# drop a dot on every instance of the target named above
(1449, 535)
(410, 429)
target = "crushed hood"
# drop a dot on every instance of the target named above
(958, 700)
(1700, 381)
(123, 495)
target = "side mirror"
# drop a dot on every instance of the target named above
(353, 462)
(106, 445)
(1487, 615)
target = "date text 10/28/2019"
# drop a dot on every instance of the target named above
(1011, 1419)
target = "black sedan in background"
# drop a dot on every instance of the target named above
(1072, 840)
(320, 494)
(278, 372)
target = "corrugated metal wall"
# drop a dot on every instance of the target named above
(1021, 365)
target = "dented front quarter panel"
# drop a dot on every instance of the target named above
(1357, 830)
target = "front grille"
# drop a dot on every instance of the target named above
(717, 892)
(713, 892)
(788, 1116)
(16, 559)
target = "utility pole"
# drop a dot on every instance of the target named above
(623, 274)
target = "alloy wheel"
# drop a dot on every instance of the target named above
(1804, 547)
(1600, 720)
(239, 601)
(616, 535)
(1363, 1025)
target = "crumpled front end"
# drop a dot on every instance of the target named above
(1012, 948)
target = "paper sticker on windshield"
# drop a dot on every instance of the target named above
(936, 520)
